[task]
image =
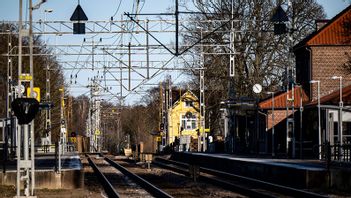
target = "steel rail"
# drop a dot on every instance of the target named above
(217, 182)
(267, 185)
(109, 189)
(140, 181)
(259, 183)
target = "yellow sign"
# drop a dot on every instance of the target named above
(36, 93)
(158, 139)
(25, 77)
(97, 132)
(62, 100)
(206, 130)
(73, 139)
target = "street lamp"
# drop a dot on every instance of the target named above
(319, 117)
(45, 12)
(47, 96)
(340, 110)
(48, 10)
(273, 151)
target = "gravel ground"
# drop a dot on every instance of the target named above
(123, 185)
(173, 183)
(177, 184)
(10, 192)
(91, 190)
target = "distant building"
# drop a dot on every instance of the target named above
(319, 57)
(184, 118)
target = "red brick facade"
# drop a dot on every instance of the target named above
(328, 61)
(323, 54)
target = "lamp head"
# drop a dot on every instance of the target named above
(314, 81)
(336, 77)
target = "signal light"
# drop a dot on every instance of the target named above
(78, 17)
(25, 109)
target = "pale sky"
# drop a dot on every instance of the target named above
(104, 9)
(333, 7)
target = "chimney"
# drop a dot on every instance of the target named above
(320, 23)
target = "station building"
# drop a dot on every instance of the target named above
(184, 120)
(322, 58)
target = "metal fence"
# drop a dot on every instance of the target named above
(337, 152)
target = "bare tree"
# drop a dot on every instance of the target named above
(262, 57)
(40, 63)
(80, 114)
(345, 35)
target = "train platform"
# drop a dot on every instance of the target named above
(46, 172)
(47, 161)
(304, 174)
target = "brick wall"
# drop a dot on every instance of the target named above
(327, 61)
(279, 116)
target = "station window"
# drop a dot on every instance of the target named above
(188, 103)
(189, 123)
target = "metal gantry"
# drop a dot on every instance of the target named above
(137, 58)
(93, 129)
(144, 54)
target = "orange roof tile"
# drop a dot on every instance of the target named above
(280, 101)
(333, 33)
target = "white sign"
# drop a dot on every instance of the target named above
(22, 89)
(257, 88)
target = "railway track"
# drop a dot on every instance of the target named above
(243, 185)
(117, 181)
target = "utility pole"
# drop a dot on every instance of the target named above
(129, 67)
(10, 135)
(94, 113)
(202, 109)
(162, 120)
(62, 139)
(147, 51)
(169, 108)
(48, 111)
(202, 98)
(9, 77)
(25, 163)
(176, 27)
(19, 94)
(166, 110)
(231, 84)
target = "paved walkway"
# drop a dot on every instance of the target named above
(316, 165)
(46, 161)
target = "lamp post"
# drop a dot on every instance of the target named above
(273, 150)
(47, 95)
(319, 117)
(301, 112)
(45, 14)
(340, 112)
